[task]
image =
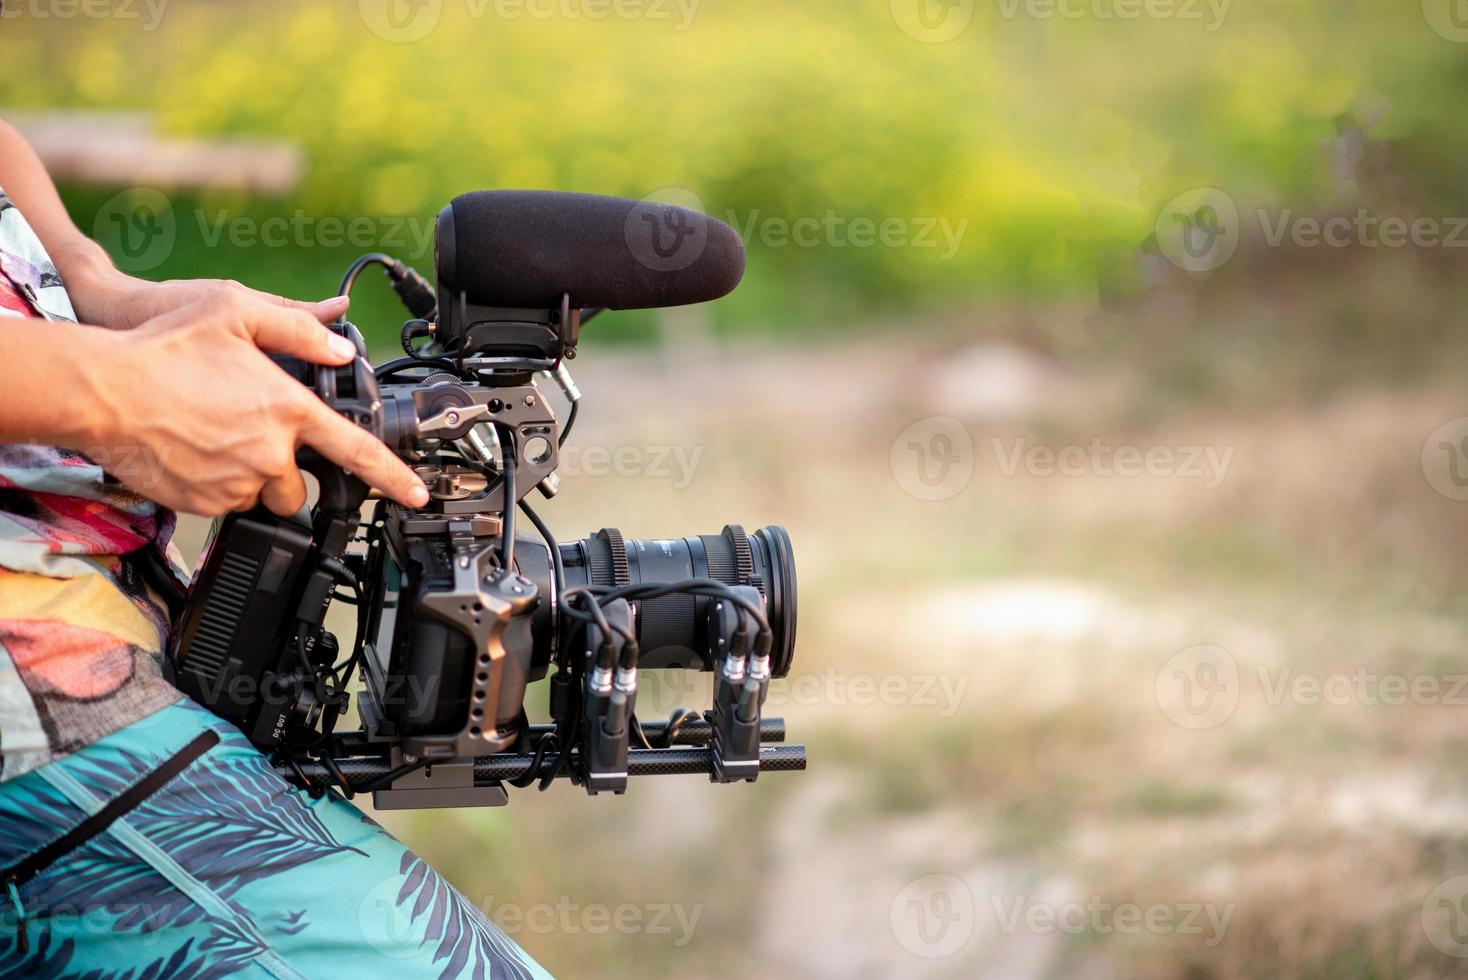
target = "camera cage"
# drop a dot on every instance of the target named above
(483, 376)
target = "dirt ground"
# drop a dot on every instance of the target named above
(1089, 691)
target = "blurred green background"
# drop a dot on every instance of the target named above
(1060, 148)
(1054, 140)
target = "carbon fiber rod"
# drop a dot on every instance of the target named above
(680, 761)
(509, 765)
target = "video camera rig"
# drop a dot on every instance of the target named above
(457, 610)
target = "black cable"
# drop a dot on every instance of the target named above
(359, 641)
(676, 721)
(638, 733)
(563, 761)
(507, 518)
(384, 781)
(593, 613)
(385, 371)
(558, 572)
(306, 784)
(531, 774)
(341, 781)
(570, 421)
(355, 269)
(656, 590)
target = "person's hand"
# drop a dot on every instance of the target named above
(122, 302)
(192, 393)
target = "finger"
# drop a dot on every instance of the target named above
(286, 495)
(285, 330)
(362, 454)
(326, 310)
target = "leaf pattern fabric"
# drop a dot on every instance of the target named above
(238, 874)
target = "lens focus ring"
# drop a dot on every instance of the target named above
(609, 562)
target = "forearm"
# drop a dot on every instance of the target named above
(83, 264)
(48, 391)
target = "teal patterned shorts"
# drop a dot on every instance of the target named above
(171, 849)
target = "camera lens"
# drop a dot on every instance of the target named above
(671, 629)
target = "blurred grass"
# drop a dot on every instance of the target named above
(1056, 140)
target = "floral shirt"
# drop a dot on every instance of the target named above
(81, 633)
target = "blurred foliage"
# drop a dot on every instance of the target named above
(1056, 138)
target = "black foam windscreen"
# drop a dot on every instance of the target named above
(527, 249)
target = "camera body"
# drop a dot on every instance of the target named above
(458, 612)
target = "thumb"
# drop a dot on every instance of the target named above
(325, 310)
(283, 329)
